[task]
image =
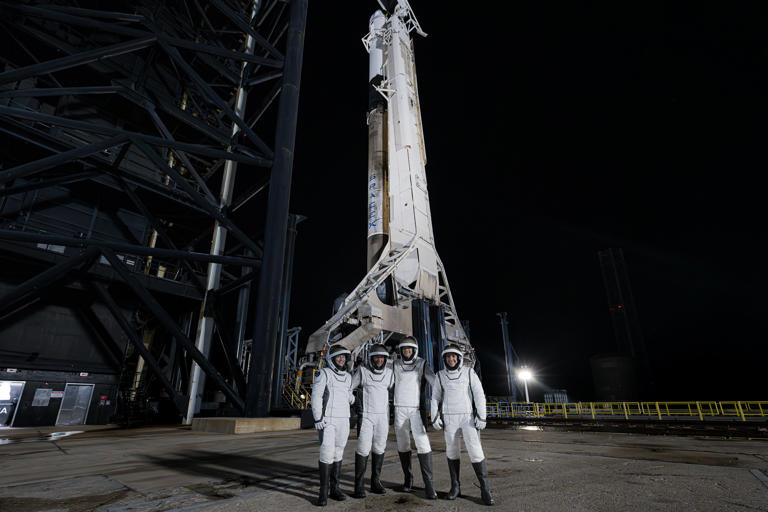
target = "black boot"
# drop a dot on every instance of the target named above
(453, 468)
(334, 492)
(482, 476)
(425, 461)
(325, 472)
(361, 463)
(376, 461)
(405, 461)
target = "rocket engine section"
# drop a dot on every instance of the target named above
(403, 264)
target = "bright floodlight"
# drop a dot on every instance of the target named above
(525, 374)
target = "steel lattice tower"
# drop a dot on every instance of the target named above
(142, 199)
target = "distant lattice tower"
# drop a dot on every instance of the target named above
(621, 307)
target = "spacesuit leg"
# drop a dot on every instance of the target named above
(380, 432)
(403, 436)
(402, 427)
(327, 454)
(380, 423)
(420, 438)
(342, 435)
(424, 450)
(341, 428)
(472, 440)
(366, 436)
(328, 443)
(452, 440)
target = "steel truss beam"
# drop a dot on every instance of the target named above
(25, 236)
(68, 19)
(266, 328)
(179, 400)
(236, 284)
(43, 164)
(111, 347)
(170, 326)
(33, 287)
(200, 149)
(97, 163)
(211, 95)
(48, 182)
(77, 59)
(39, 92)
(172, 68)
(243, 25)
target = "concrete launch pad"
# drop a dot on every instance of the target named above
(175, 468)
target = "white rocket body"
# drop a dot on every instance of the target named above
(401, 246)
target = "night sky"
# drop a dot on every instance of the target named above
(553, 132)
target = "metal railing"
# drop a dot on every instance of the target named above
(295, 394)
(701, 410)
(298, 398)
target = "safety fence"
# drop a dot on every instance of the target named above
(297, 397)
(736, 410)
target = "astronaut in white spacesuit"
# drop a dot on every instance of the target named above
(374, 382)
(410, 373)
(455, 392)
(331, 397)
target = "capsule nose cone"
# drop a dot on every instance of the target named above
(377, 19)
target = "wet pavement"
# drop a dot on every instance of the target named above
(174, 468)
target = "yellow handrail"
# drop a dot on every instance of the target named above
(701, 410)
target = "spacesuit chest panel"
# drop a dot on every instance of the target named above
(456, 392)
(338, 387)
(408, 383)
(376, 391)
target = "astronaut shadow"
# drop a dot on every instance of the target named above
(348, 482)
(418, 492)
(397, 485)
(474, 499)
(239, 474)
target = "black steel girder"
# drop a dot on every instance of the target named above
(170, 325)
(36, 285)
(25, 236)
(179, 401)
(267, 321)
(155, 85)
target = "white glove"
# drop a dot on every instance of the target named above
(479, 424)
(438, 423)
(351, 398)
(320, 425)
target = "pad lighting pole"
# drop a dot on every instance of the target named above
(525, 375)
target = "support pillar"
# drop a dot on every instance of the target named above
(510, 357)
(266, 330)
(277, 394)
(206, 322)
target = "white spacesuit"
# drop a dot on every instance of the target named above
(456, 391)
(374, 381)
(331, 397)
(410, 372)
